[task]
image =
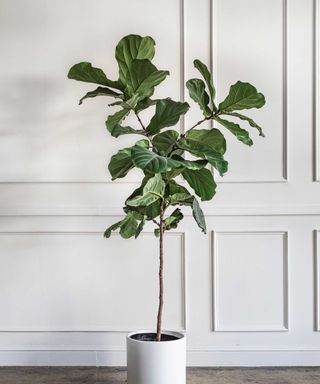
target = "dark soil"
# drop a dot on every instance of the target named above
(152, 337)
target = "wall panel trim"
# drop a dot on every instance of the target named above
(285, 326)
(95, 233)
(284, 176)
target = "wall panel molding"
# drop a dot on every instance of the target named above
(182, 239)
(213, 40)
(222, 210)
(217, 326)
(316, 246)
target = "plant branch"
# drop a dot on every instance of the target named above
(140, 121)
(202, 121)
(155, 221)
(161, 289)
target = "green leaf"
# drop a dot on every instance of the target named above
(197, 92)
(203, 139)
(190, 164)
(173, 187)
(173, 173)
(141, 78)
(84, 71)
(167, 114)
(151, 211)
(128, 227)
(202, 182)
(100, 91)
(236, 130)
(121, 163)
(172, 221)
(242, 96)
(144, 104)
(140, 227)
(180, 198)
(165, 141)
(209, 144)
(113, 227)
(116, 119)
(198, 215)
(119, 130)
(179, 195)
(133, 47)
(203, 69)
(251, 122)
(151, 162)
(152, 191)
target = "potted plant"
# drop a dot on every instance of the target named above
(156, 357)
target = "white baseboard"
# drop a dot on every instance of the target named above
(204, 358)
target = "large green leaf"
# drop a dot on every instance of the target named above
(141, 78)
(202, 68)
(152, 191)
(208, 144)
(133, 47)
(242, 96)
(128, 227)
(240, 133)
(251, 122)
(202, 182)
(121, 163)
(202, 139)
(173, 187)
(100, 91)
(151, 162)
(197, 92)
(84, 71)
(190, 164)
(167, 114)
(145, 103)
(116, 119)
(165, 141)
(118, 130)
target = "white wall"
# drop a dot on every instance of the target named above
(248, 293)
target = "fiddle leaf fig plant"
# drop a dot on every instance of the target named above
(166, 156)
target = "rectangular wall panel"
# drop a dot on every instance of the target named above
(249, 44)
(84, 282)
(317, 279)
(250, 281)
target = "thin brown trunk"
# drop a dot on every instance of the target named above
(159, 317)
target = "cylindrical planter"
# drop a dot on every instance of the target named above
(156, 362)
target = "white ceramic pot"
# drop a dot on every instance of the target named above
(156, 362)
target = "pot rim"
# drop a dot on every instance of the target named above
(181, 336)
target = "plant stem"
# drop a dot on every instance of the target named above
(159, 317)
(216, 113)
(199, 122)
(140, 121)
